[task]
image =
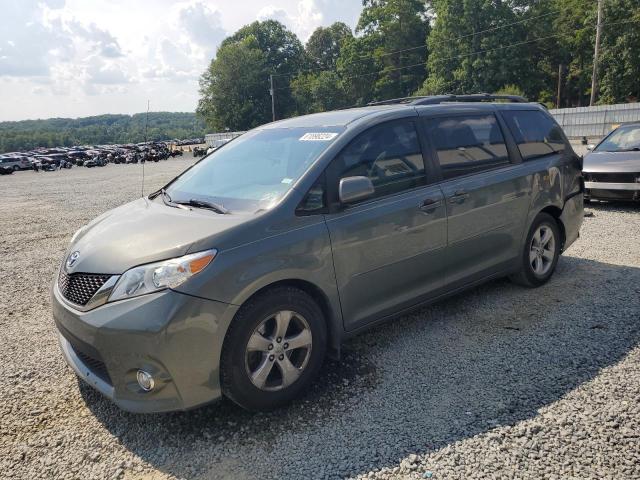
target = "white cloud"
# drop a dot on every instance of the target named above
(303, 20)
(270, 12)
(74, 57)
(203, 26)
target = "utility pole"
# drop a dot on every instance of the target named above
(559, 86)
(273, 98)
(596, 54)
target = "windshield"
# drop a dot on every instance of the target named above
(255, 170)
(622, 139)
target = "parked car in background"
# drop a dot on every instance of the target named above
(264, 256)
(5, 170)
(97, 161)
(612, 168)
(15, 162)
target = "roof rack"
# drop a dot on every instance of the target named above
(437, 99)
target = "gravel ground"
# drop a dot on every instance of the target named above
(498, 382)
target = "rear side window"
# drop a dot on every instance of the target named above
(535, 133)
(467, 144)
(389, 154)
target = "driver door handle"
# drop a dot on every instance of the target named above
(459, 197)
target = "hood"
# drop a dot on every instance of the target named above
(612, 162)
(144, 231)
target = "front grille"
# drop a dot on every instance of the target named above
(97, 367)
(612, 177)
(79, 288)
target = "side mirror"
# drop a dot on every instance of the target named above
(352, 189)
(590, 147)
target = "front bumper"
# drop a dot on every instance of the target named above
(175, 337)
(612, 191)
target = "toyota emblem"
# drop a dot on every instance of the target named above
(72, 259)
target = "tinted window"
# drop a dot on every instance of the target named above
(314, 200)
(535, 133)
(467, 144)
(389, 154)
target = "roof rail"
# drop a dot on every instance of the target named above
(437, 99)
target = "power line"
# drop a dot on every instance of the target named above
(351, 77)
(361, 57)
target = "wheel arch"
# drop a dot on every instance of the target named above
(332, 320)
(556, 213)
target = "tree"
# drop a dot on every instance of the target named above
(387, 27)
(235, 90)
(620, 60)
(55, 132)
(470, 47)
(319, 92)
(324, 45)
(320, 87)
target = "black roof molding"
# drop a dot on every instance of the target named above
(438, 99)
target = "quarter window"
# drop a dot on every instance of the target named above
(389, 154)
(535, 133)
(467, 144)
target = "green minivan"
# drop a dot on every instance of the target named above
(240, 275)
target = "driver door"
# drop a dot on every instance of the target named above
(388, 249)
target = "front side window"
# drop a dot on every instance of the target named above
(254, 171)
(467, 144)
(535, 133)
(388, 154)
(623, 139)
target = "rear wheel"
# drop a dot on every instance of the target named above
(540, 253)
(274, 348)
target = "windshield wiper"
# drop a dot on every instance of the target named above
(204, 204)
(166, 199)
(632, 149)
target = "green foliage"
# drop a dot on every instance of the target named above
(318, 92)
(234, 89)
(391, 26)
(510, 90)
(620, 61)
(324, 45)
(405, 47)
(102, 129)
(461, 60)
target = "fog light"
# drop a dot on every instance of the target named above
(145, 380)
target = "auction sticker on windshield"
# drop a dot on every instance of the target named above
(318, 137)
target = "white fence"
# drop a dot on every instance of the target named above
(216, 139)
(595, 121)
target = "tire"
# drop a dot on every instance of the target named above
(243, 367)
(532, 273)
(16, 168)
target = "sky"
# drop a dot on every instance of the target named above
(75, 58)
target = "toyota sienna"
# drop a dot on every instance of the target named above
(242, 273)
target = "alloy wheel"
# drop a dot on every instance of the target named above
(278, 350)
(542, 250)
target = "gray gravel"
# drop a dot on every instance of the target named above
(498, 382)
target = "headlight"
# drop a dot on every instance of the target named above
(158, 276)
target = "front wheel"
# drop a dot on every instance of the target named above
(540, 253)
(274, 348)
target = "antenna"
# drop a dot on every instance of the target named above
(146, 124)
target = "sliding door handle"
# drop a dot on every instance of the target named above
(430, 204)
